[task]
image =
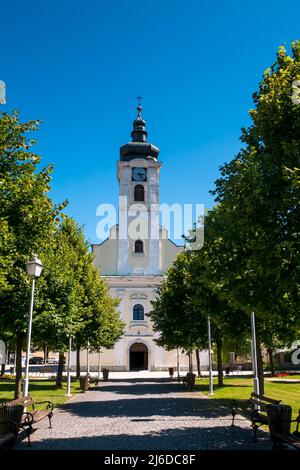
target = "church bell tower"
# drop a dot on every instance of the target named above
(138, 176)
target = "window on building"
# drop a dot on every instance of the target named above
(139, 193)
(138, 246)
(138, 312)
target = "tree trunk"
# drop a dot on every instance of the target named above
(260, 369)
(198, 362)
(60, 369)
(2, 370)
(46, 353)
(220, 363)
(18, 380)
(78, 363)
(191, 362)
(271, 358)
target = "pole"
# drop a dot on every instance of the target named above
(254, 354)
(178, 372)
(26, 379)
(88, 359)
(68, 394)
(211, 386)
(99, 364)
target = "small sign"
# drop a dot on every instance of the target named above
(296, 357)
(2, 352)
(2, 92)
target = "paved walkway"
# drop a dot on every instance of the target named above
(149, 414)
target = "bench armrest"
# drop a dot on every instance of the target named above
(28, 418)
(49, 406)
(240, 403)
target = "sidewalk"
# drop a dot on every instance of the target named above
(143, 414)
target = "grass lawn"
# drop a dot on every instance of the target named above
(240, 388)
(40, 390)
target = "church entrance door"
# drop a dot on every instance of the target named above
(138, 357)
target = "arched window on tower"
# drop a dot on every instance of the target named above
(138, 312)
(138, 246)
(139, 193)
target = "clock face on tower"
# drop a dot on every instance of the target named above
(139, 174)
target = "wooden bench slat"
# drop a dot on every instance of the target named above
(34, 415)
(264, 398)
(39, 415)
(10, 422)
(256, 411)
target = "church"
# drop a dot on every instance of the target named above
(134, 259)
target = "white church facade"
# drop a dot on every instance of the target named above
(134, 264)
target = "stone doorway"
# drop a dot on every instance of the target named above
(138, 357)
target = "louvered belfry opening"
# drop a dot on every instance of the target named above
(139, 193)
(138, 246)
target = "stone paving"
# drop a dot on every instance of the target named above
(143, 414)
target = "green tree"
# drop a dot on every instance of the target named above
(227, 321)
(179, 323)
(6, 253)
(101, 326)
(72, 298)
(31, 219)
(257, 217)
(186, 300)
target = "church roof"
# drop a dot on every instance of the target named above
(139, 147)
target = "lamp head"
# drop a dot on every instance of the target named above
(34, 267)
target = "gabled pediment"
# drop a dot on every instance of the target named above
(138, 297)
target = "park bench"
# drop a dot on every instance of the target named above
(188, 381)
(10, 421)
(280, 420)
(255, 411)
(34, 415)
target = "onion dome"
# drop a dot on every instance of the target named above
(139, 147)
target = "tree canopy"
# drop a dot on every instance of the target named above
(71, 297)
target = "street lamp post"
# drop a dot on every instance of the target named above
(68, 394)
(211, 386)
(99, 364)
(254, 351)
(34, 270)
(88, 359)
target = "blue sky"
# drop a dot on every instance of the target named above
(79, 66)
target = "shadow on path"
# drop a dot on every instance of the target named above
(143, 407)
(185, 438)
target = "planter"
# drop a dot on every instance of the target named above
(171, 371)
(84, 382)
(105, 373)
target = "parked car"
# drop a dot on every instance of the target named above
(36, 360)
(52, 360)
